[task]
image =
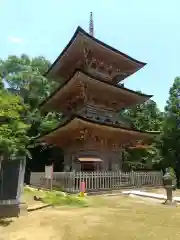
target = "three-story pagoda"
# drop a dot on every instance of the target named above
(92, 135)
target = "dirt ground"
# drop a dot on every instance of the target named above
(162, 191)
(107, 217)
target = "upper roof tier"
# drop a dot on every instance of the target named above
(90, 54)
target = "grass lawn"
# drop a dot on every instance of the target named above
(107, 217)
(55, 198)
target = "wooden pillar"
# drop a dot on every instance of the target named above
(105, 163)
(120, 159)
(76, 165)
(67, 162)
(116, 161)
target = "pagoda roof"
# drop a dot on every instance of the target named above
(76, 123)
(83, 75)
(81, 34)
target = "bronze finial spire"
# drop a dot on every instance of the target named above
(91, 25)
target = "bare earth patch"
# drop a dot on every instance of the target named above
(107, 218)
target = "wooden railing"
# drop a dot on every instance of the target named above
(98, 181)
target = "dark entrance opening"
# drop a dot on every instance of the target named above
(88, 166)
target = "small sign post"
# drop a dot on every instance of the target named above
(49, 176)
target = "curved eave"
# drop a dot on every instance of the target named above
(145, 96)
(64, 126)
(139, 147)
(79, 30)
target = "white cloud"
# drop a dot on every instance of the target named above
(15, 40)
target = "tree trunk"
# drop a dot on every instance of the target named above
(1, 159)
(177, 172)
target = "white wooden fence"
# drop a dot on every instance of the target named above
(97, 181)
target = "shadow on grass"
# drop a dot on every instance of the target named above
(5, 222)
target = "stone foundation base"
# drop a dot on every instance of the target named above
(13, 210)
(9, 210)
(23, 209)
(170, 203)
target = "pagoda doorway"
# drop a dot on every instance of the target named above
(90, 164)
(88, 167)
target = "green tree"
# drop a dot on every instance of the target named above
(13, 130)
(24, 77)
(49, 122)
(26, 86)
(144, 117)
(171, 130)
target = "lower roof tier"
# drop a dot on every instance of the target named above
(80, 131)
(82, 88)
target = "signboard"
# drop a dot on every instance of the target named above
(9, 177)
(49, 172)
(11, 186)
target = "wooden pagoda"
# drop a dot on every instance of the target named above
(90, 95)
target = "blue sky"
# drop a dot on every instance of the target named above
(148, 30)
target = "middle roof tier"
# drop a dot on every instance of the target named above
(83, 89)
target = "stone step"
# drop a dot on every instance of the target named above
(150, 195)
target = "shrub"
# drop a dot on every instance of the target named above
(58, 198)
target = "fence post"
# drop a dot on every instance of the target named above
(132, 177)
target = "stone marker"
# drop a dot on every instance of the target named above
(168, 185)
